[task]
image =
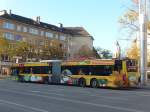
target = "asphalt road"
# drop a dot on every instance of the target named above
(29, 97)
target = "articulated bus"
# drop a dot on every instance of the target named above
(95, 73)
(32, 72)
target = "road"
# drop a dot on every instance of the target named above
(29, 97)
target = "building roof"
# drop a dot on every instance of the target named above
(78, 31)
(30, 21)
(75, 31)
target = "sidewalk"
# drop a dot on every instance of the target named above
(3, 76)
(145, 87)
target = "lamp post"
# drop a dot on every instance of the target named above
(68, 47)
(143, 39)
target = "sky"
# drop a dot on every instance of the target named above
(98, 17)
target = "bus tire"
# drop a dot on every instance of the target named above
(21, 79)
(82, 82)
(46, 80)
(94, 83)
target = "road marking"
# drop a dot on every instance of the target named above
(47, 93)
(15, 107)
(24, 106)
(89, 94)
(51, 92)
(145, 94)
(75, 101)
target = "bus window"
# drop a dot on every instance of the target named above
(75, 69)
(26, 70)
(21, 70)
(80, 72)
(46, 69)
(15, 71)
(101, 70)
(118, 65)
(66, 72)
(36, 70)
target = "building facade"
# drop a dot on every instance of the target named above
(18, 28)
(79, 38)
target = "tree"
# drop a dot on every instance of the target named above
(23, 49)
(85, 52)
(4, 46)
(104, 53)
(133, 52)
(129, 20)
(26, 50)
(130, 24)
(53, 50)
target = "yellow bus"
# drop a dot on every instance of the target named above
(95, 73)
(103, 73)
(32, 72)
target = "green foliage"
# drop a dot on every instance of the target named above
(26, 50)
(53, 50)
(104, 53)
(133, 52)
(85, 51)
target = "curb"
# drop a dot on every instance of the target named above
(8, 78)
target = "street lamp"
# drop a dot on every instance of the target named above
(143, 39)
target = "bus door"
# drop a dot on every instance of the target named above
(118, 69)
(56, 72)
(132, 70)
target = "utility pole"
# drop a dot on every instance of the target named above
(143, 40)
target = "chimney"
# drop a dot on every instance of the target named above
(10, 12)
(38, 19)
(61, 25)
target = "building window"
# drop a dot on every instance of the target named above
(46, 43)
(48, 34)
(56, 36)
(62, 37)
(8, 25)
(30, 42)
(33, 31)
(18, 38)
(42, 33)
(41, 43)
(25, 29)
(18, 28)
(24, 39)
(9, 36)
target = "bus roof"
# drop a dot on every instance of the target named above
(89, 62)
(67, 62)
(29, 64)
(51, 61)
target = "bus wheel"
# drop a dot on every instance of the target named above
(21, 79)
(94, 83)
(46, 81)
(82, 82)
